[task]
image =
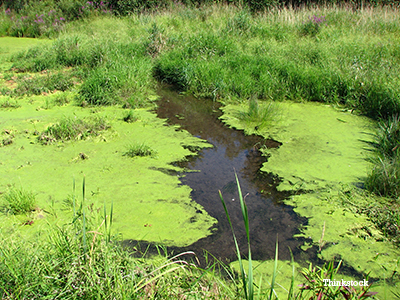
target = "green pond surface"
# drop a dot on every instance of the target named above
(148, 203)
(324, 152)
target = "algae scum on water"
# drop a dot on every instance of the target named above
(148, 203)
(321, 161)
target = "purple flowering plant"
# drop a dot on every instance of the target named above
(34, 24)
(312, 26)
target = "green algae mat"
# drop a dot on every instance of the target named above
(321, 161)
(148, 202)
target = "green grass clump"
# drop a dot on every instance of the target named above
(259, 116)
(384, 179)
(73, 129)
(19, 201)
(9, 104)
(130, 117)
(140, 149)
(37, 85)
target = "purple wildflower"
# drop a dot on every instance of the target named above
(8, 11)
(62, 19)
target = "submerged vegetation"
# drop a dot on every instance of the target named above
(253, 52)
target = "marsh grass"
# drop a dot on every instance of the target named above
(130, 116)
(9, 104)
(258, 115)
(83, 260)
(315, 288)
(384, 178)
(39, 84)
(19, 201)
(139, 149)
(73, 129)
(61, 99)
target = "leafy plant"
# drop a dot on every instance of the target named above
(19, 201)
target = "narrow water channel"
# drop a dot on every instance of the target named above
(270, 219)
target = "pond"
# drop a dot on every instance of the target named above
(213, 169)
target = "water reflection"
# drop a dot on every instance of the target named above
(232, 150)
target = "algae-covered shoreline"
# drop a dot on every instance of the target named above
(322, 160)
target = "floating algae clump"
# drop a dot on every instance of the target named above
(320, 146)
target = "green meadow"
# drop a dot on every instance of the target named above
(86, 164)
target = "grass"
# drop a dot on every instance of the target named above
(73, 129)
(19, 201)
(82, 259)
(259, 116)
(139, 149)
(384, 178)
(9, 104)
(130, 117)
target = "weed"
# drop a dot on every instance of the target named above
(37, 85)
(384, 179)
(139, 149)
(19, 201)
(61, 99)
(156, 41)
(73, 129)
(259, 116)
(130, 116)
(313, 26)
(9, 104)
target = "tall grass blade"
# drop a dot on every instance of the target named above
(73, 197)
(291, 290)
(105, 222)
(274, 272)
(243, 274)
(111, 218)
(243, 207)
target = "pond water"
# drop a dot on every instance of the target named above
(213, 169)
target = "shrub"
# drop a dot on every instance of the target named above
(19, 201)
